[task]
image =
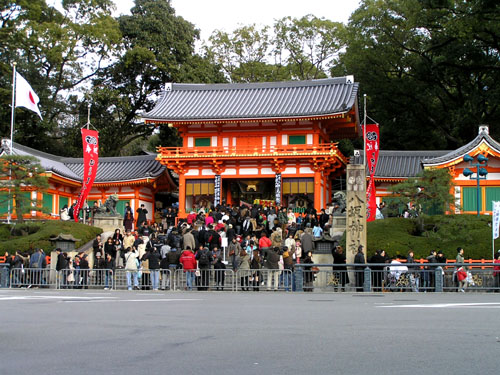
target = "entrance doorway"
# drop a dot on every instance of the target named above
(249, 191)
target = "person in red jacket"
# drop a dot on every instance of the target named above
(264, 242)
(191, 218)
(188, 261)
(496, 272)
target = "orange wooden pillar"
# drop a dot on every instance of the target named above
(182, 196)
(317, 190)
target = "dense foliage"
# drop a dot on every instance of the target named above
(430, 68)
(442, 232)
(27, 237)
(19, 176)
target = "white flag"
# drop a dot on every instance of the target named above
(496, 220)
(25, 96)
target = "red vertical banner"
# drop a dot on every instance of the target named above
(90, 140)
(371, 152)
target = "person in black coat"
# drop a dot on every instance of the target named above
(109, 248)
(220, 273)
(360, 270)
(204, 258)
(84, 269)
(154, 258)
(141, 215)
(377, 276)
(109, 266)
(308, 273)
(62, 262)
(97, 245)
(339, 259)
(230, 233)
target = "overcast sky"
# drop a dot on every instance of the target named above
(227, 15)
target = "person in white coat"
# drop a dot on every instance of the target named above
(131, 266)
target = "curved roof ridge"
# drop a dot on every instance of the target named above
(483, 136)
(257, 85)
(247, 101)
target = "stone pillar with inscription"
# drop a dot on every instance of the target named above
(356, 211)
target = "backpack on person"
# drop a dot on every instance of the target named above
(204, 260)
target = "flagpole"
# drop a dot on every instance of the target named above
(364, 132)
(13, 106)
(12, 113)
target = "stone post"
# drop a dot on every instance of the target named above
(356, 211)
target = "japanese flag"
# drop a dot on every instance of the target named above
(25, 96)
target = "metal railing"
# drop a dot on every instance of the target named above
(32, 277)
(433, 277)
(384, 277)
(146, 279)
(85, 279)
(205, 279)
(265, 280)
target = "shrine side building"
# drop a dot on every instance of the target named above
(268, 143)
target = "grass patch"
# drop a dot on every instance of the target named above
(36, 234)
(440, 232)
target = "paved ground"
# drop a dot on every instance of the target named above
(97, 332)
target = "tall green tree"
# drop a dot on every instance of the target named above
(246, 55)
(19, 176)
(57, 51)
(293, 48)
(308, 45)
(157, 48)
(431, 69)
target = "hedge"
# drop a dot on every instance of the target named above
(442, 232)
(36, 234)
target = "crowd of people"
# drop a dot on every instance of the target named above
(264, 244)
(261, 241)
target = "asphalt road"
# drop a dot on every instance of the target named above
(120, 332)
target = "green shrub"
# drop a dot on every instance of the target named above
(441, 232)
(4, 232)
(37, 234)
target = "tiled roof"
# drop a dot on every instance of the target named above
(110, 169)
(400, 164)
(185, 102)
(49, 162)
(483, 136)
(121, 168)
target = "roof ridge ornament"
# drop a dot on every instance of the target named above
(484, 129)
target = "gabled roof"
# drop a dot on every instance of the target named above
(110, 169)
(49, 162)
(399, 164)
(124, 168)
(483, 137)
(268, 100)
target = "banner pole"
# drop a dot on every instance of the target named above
(12, 114)
(11, 146)
(364, 131)
(88, 117)
(495, 226)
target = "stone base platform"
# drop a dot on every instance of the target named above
(109, 223)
